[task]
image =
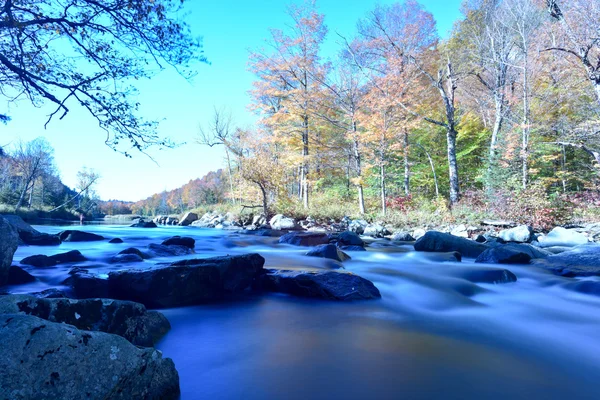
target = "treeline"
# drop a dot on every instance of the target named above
(506, 108)
(208, 190)
(29, 180)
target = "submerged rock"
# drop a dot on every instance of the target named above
(9, 241)
(185, 241)
(503, 255)
(18, 276)
(304, 238)
(133, 250)
(125, 259)
(328, 285)
(47, 360)
(160, 250)
(330, 251)
(580, 261)
(186, 282)
(124, 318)
(115, 240)
(43, 261)
(486, 275)
(79, 236)
(444, 242)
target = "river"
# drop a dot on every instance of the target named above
(434, 334)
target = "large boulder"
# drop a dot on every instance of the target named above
(186, 282)
(304, 238)
(563, 237)
(328, 285)
(521, 234)
(9, 241)
(124, 318)
(88, 286)
(580, 261)
(188, 218)
(28, 235)
(330, 251)
(47, 360)
(445, 242)
(282, 223)
(79, 236)
(180, 241)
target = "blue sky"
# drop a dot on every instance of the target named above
(229, 28)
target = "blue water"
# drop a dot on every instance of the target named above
(434, 334)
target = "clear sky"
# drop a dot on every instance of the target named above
(229, 28)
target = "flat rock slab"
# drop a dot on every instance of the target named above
(580, 261)
(186, 282)
(42, 261)
(326, 285)
(124, 318)
(434, 241)
(47, 360)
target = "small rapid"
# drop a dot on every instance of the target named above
(437, 332)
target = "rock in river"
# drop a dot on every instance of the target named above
(327, 285)
(503, 255)
(9, 240)
(186, 282)
(30, 236)
(42, 261)
(47, 360)
(18, 276)
(580, 261)
(79, 236)
(522, 234)
(444, 242)
(563, 237)
(124, 318)
(330, 251)
(180, 241)
(304, 238)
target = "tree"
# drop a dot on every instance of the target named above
(579, 20)
(45, 47)
(32, 160)
(220, 132)
(289, 82)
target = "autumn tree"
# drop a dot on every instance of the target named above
(83, 53)
(289, 75)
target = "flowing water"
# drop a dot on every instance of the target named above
(433, 334)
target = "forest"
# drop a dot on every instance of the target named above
(501, 119)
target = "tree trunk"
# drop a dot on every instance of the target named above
(564, 168)
(453, 166)
(406, 165)
(526, 129)
(230, 175)
(264, 200)
(597, 88)
(498, 119)
(31, 195)
(357, 158)
(383, 190)
(305, 162)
